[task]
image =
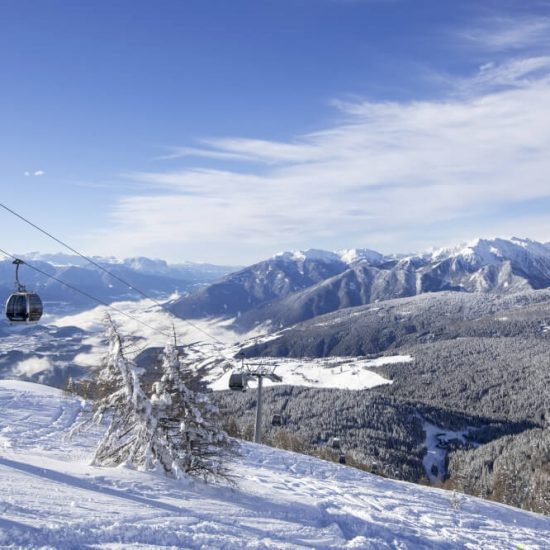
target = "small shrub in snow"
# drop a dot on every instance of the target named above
(455, 499)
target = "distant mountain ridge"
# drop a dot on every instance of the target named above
(152, 276)
(292, 287)
(141, 264)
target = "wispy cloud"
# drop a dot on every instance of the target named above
(494, 76)
(251, 150)
(507, 33)
(182, 152)
(391, 174)
(35, 173)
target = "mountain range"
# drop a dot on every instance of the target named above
(470, 326)
(292, 287)
(152, 276)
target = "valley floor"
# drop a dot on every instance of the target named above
(51, 498)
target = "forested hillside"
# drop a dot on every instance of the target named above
(480, 366)
(377, 431)
(394, 324)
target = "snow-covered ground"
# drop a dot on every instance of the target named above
(40, 349)
(436, 439)
(51, 498)
(331, 372)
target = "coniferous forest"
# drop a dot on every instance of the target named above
(481, 365)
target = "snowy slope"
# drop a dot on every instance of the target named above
(51, 498)
(69, 345)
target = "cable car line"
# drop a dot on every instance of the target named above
(106, 304)
(84, 293)
(120, 279)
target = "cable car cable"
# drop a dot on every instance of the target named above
(126, 283)
(106, 304)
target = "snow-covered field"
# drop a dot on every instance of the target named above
(331, 372)
(38, 350)
(436, 453)
(51, 498)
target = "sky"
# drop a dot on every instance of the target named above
(208, 130)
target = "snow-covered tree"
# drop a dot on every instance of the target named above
(189, 439)
(174, 428)
(125, 404)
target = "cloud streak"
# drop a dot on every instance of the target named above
(393, 175)
(506, 33)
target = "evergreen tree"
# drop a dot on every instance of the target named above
(131, 425)
(174, 429)
(188, 439)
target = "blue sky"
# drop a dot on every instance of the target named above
(227, 131)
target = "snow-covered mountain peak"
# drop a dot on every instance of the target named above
(347, 255)
(534, 247)
(479, 251)
(465, 249)
(310, 254)
(147, 265)
(354, 255)
(491, 251)
(60, 259)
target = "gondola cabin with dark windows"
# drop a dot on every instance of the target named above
(23, 306)
(238, 381)
(277, 420)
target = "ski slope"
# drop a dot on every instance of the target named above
(51, 498)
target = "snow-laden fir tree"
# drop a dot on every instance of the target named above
(131, 425)
(174, 429)
(189, 438)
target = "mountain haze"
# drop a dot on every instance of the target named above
(152, 276)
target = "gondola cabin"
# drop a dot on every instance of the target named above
(23, 306)
(238, 381)
(335, 443)
(277, 420)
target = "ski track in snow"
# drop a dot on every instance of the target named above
(51, 498)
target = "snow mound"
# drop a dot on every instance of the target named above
(50, 497)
